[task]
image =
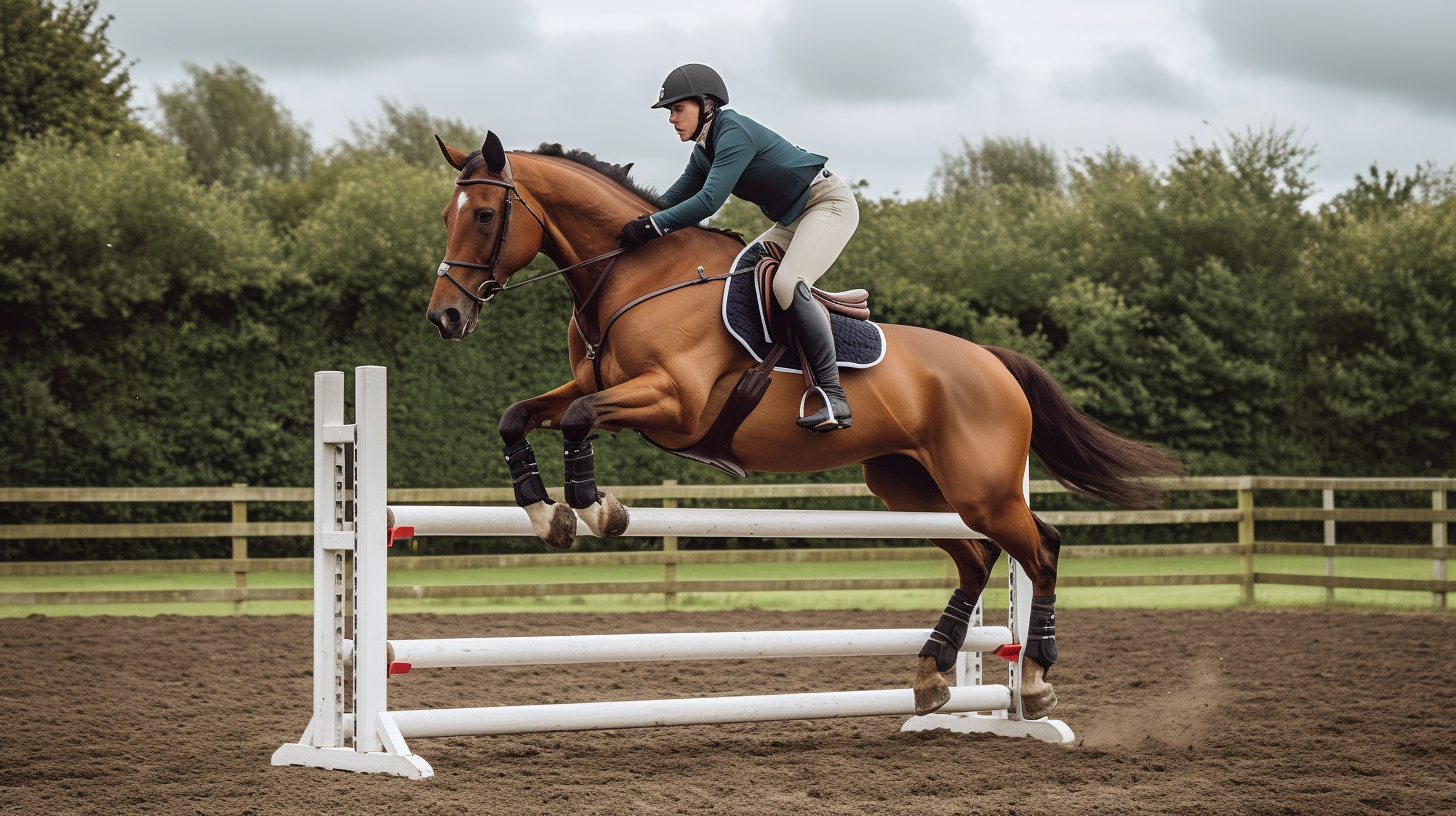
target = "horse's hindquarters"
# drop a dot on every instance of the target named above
(934, 396)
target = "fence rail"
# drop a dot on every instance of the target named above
(1246, 515)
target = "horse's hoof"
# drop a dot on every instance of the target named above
(606, 517)
(929, 700)
(1038, 705)
(616, 516)
(553, 523)
(931, 690)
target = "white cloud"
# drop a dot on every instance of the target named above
(1133, 73)
(1396, 48)
(860, 50)
(879, 88)
(323, 36)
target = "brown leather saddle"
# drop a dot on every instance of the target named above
(854, 304)
(715, 448)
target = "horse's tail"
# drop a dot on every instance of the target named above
(1078, 451)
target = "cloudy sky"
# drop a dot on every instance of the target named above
(880, 87)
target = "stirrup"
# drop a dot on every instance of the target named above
(832, 423)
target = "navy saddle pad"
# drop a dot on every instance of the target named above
(857, 343)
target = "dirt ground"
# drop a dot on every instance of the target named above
(1186, 712)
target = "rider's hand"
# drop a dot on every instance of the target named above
(637, 232)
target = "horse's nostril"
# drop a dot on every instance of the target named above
(449, 321)
(446, 320)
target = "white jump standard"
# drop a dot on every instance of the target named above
(369, 737)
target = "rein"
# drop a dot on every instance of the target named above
(490, 287)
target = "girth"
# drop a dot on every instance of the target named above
(716, 446)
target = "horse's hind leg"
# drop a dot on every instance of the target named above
(1039, 651)
(903, 485)
(1001, 513)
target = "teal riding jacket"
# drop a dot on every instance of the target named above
(744, 158)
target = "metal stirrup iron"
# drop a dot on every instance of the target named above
(828, 406)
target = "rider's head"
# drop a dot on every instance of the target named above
(692, 93)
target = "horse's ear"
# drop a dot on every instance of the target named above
(627, 168)
(494, 153)
(454, 157)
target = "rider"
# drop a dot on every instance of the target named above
(814, 211)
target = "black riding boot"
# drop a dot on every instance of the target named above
(816, 344)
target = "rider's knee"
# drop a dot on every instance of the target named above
(784, 287)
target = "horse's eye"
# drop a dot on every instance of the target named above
(483, 217)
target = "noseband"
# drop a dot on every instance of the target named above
(490, 286)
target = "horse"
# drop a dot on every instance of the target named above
(941, 424)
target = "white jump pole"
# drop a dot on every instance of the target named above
(702, 522)
(371, 738)
(543, 651)
(454, 722)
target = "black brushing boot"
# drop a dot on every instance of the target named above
(816, 345)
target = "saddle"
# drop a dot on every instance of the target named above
(853, 304)
(715, 448)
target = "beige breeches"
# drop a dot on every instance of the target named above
(815, 239)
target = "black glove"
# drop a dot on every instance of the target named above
(637, 232)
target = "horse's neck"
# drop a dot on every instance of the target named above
(583, 211)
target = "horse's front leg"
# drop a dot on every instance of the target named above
(648, 401)
(553, 523)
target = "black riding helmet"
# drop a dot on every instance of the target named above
(692, 81)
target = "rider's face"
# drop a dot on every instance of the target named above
(684, 117)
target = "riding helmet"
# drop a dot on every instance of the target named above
(692, 81)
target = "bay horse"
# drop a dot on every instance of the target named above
(941, 424)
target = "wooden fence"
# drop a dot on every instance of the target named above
(1246, 515)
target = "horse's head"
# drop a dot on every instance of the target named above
(491, 234)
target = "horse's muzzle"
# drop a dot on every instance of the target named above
(453, 325)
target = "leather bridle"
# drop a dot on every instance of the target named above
(592, 336)
(490, 287)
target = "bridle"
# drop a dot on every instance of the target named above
(490, 287)
(594, 336)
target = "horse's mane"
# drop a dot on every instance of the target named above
(620, 173)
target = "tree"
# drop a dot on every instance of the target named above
(1373, 379)
(1002, 160)
(1375, 196)
(132, 302)
(409, 133)
(1209, 253)
(59, 73)
(232, 129)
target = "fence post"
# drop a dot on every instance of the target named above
(1440, 536)
(240, 551)
(669, 545)
(1246, 541)
(1329, 504)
